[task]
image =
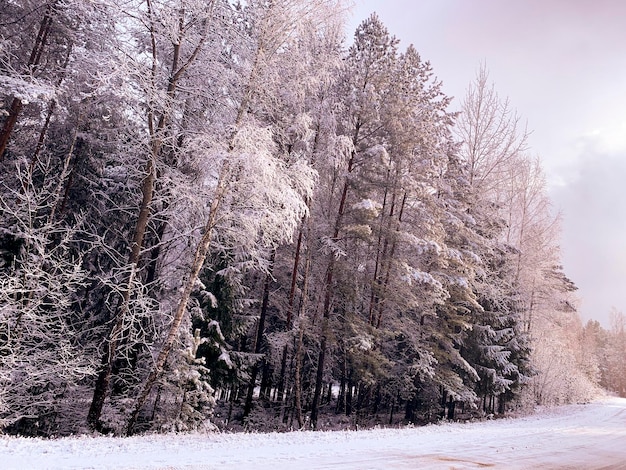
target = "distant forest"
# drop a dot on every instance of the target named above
(224, 214)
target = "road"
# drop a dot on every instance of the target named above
(588, 437)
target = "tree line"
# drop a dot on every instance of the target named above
(217, 213)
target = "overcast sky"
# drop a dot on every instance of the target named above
(562, 63)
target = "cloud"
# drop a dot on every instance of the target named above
(594, 229)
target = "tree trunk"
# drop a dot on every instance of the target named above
(451, 408)
(501, 404)
(104, 375)
(294, 278)
(377, 400)
(288, 403)
(329, 393)
(341, 398)
(393, 405)
(388, 264)
(349, 397)
(259, 336)
(51, 107)
(328, 284)
(198, 261)
(250, 394)
(375, 295)
(319, 376)
(147, 192)
(283, 369)
(299, 349)
(33, 62)
(297, 387)
(9, 124)
(265, 390)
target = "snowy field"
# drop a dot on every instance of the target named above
(589, 436)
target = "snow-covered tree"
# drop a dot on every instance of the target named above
(43, 364)
(510, 203)
(257, 192)
(202, 199)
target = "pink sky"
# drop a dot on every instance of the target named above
(562, 63)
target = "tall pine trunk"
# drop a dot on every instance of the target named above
(328, 284)
(156, 131)
(304, 298)
(259, 337)
(200, 254)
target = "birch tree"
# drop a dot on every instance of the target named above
(173, 43)
(492, 133)
(247, 161)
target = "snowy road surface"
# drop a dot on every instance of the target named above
(574, 437)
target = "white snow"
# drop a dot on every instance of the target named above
(368, 205)
(589, 436)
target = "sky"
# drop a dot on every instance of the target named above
(562, 64)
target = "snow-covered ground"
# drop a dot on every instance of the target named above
(589, 436)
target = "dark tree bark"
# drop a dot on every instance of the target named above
(33, 62)
(50, 112)
(259, 337)
(328, 286)
(198, 261)
(156, 129)
(280, 392)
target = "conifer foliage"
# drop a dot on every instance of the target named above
(212, 213)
